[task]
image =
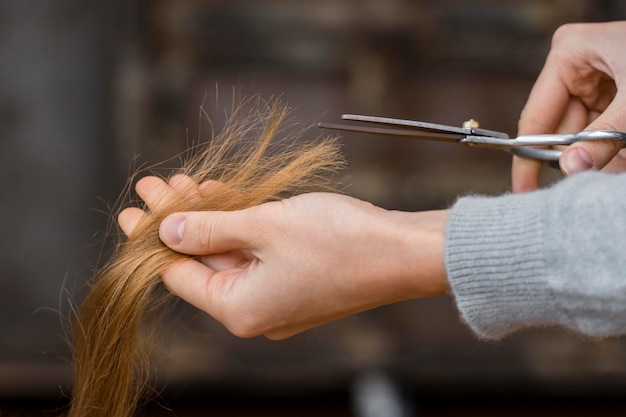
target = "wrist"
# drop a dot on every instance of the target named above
(418, 253)
(428, 244)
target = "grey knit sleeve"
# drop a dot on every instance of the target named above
(550, 257)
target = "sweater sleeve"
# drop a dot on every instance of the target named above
(548, 257)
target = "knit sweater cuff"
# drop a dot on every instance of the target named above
(485, 236)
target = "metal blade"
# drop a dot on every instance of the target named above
(408, 133)
(429, 127)
(425, 126)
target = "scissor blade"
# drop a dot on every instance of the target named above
(425, 126)
(428, 127)
(408, 133)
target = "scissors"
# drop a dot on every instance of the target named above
(472, 135)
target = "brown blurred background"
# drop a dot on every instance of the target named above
(90, 90)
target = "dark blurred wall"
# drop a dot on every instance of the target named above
(90, 90)
(57, 158)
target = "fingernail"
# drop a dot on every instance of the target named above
(172, 229)
(576, 160)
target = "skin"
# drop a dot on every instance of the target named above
(581, 87)
(280, 268)
(283, 267)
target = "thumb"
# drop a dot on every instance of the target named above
(595, 154)
(207, 232)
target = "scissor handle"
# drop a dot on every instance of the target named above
(559, 139)
(550, 155)
(569, 138)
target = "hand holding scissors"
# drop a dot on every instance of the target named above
(470, 134)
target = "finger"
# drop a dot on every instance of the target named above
(156, 193)
(192, 192)
(208, 290)
(208, 187)
(525, 174)
(586, 155)
(129, 218)
(209, 232)
(575, 117)
(213, 191)
(546, 105)
(617, 164)
(184, 185)
(228, 260)
(191, 281)
(574, 120)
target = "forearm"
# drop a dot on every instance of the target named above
(548, 257)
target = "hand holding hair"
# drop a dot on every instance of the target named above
(581, 87)
(282, 267)
(258, 156)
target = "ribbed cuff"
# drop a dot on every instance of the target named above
(495, 263)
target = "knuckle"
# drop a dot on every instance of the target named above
(566, 33)
(256, 222)
(200, 232)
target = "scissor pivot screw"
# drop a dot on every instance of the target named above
(471, 124)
